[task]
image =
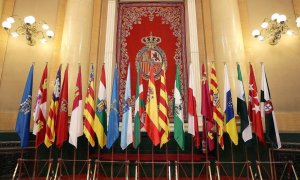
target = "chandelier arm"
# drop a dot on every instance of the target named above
(21, 30)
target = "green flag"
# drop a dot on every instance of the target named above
(139, 109)
(242, 110)
(178, 112)
(100, 123)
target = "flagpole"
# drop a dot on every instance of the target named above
(97, 163)
(60, 167)
(35, 162)
(112, 165)
(206, 149)
(167, 160)
(152, 157)
(177, 162)
(49, 158)
(138, 163)
(218, 154)
(74, 162)
(88, 153)
(257, 149)
(126, 172)
(247, 160)
(232, 160)
(192, 157)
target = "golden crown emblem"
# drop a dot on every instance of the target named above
(151, 41)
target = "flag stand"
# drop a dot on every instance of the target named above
(88, 157)
(74, 163)
(96, 164)
(136, 171)
(176, 169)
(20, 164)
(15, 171)
(259, 171)
(167, 160)
(59, 165)
(248, 163)
(49, 168)
(50, 162)
(272, 166)
(88, 169)
(217, 169)
(35, 162)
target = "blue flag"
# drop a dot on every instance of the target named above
(127, 133)
(23, 120)
(113, 124)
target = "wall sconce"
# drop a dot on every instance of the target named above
(32, 29)
(273, 28)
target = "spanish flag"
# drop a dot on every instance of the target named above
(151, 122)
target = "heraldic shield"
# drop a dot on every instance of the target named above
(151, 55)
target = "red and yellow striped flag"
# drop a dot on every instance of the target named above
(52, 117)
(163, 119)
(215, 98)
(89, 110)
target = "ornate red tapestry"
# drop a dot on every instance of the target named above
(151, 34)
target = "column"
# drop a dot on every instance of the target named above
(109, 52)
(76, 41)
(228, 41)
(193, 51)
(1, 8)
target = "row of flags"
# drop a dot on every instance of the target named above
(149, 113)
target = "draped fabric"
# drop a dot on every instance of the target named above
(152, 33)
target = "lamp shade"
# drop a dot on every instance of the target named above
(45, 26)
(274, 16)
(11, 20)
(14, 34)
(6, 25)
(264, 25)
(29, 20)
(255, 33)
(50, 33)
(281, 18)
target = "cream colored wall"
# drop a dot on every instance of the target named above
(281, 61)
(18, 56)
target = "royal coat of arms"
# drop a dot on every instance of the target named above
(150, 55)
